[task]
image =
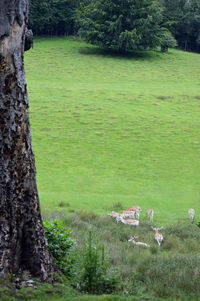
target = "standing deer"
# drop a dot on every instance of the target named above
(191, 213)
(138, 243)
(150, 214)
(136, 210)
(132, 222)
(158, 236)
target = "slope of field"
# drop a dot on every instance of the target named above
(111, 131)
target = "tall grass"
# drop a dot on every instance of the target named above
(171, 271)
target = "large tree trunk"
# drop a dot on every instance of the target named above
(22, 241)
(164, 49)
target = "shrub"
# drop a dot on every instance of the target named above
(60, 243)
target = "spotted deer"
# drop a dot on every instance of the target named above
(128, 213)
(150, 214)
(158, 236)
(113, 214)
(191, 213)
(132, 222)
(138, 243)
(136, 210)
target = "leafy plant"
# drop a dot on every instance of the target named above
(60, 243)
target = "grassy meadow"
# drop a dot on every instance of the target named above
(112, 131)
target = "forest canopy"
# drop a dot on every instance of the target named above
(137, 25)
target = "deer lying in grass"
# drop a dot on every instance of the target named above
(191, 213)
(132, 222)
(138, 243)
(158, 236)
(113, 214)
(128, 213)
(136, 210)
(150, 214)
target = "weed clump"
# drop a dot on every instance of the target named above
(63, 204)
(118, 206)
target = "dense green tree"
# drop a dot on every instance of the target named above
(39, 16)
(124, 25)
(52, 17)
(166, 40)
(192, 23)
(182, 18)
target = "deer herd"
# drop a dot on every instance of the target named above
(133, 214)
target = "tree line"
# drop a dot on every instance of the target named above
(125, 25)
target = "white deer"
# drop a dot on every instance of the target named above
(191, 213)
(150, 214)
(132, 222)
(158, 236)
(138, 243)
(136, 210)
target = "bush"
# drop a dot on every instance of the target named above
(60, 244)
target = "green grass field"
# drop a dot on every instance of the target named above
(111, 129)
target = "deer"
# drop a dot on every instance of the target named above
(113, 214)
(138, 243)
(150, 214)
(191, 213)
(158, 236)
(132, 222)
(136, 210)
(127, 213)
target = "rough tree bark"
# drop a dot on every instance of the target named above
(22, 241)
